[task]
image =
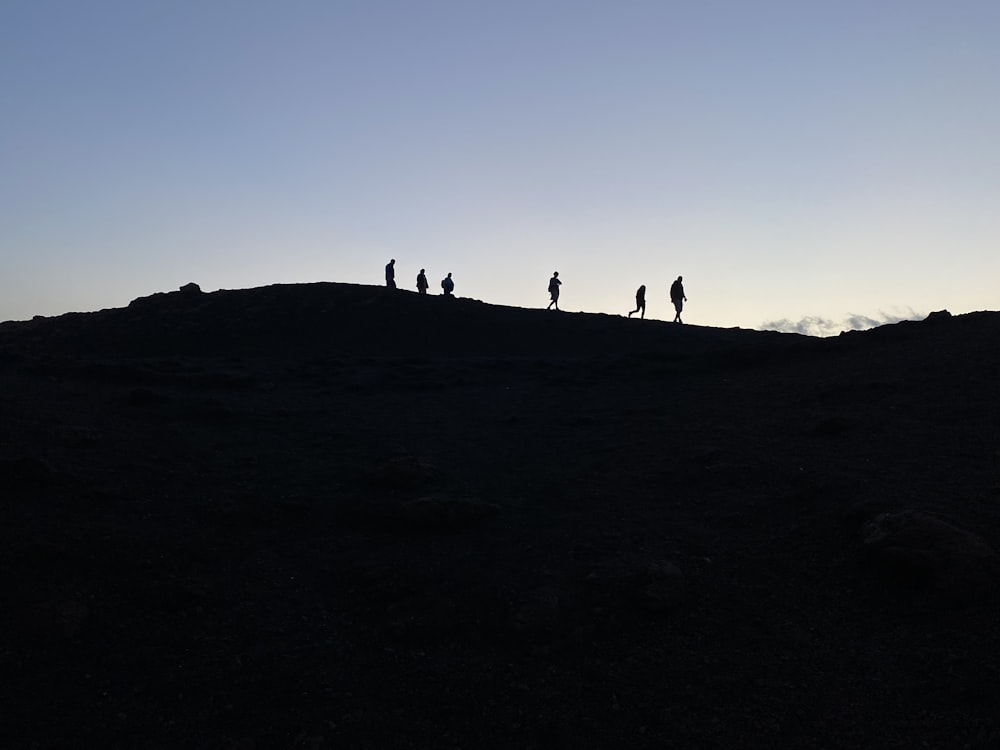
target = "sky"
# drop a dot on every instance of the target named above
(806, 165)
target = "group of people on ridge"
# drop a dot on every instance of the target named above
(448, 287)
(447, 284)
(676, 296)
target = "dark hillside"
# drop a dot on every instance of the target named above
(328, 516)
(355, 319)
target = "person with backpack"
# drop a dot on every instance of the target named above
(447, 285)
(678, 298)
(554, 285)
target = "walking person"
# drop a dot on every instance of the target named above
(678, 298)
(447, 285)
(390, 274)
(640, 302)
(554, 285)
(421, 282)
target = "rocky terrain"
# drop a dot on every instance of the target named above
(339, 516)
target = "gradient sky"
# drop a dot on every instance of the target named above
(806, 165)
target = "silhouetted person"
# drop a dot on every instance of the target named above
(554, 285)
(447, 286)
(421, 282)
(640, 302)
(390, 274)
(678, 298)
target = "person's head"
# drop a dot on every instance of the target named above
(555, 273)
(392, 261)
(680, 278)
(449, 274)
(642, 289)
(421, 270)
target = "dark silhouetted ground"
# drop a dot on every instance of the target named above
(337, 516)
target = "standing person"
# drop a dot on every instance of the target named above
(390, 274)
(678, 298)
(554, 285)
(640, 302)
(421, 282)
(447, 285)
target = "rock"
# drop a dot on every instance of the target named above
(190, 290)
(445, 513)
(404, 473)
(25, 472)
(916, 549)
(660, 586)
(145, 397)
(938, 315)
(54, 621)
(631, 589)
(832, 427)
(211, 410)
(539, 612)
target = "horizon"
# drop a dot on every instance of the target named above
(807, 169)
(816, 328)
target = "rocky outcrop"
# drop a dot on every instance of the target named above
(919, 550)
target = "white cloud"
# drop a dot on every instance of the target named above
(815, 325)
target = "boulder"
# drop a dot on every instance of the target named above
(660, 586)
(538, 613)
(403, 473)
(53, 621)
(917, 549)
(145, 397)
(445, 513)
(645, 588)
(25, 472)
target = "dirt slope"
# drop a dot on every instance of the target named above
(329, 515)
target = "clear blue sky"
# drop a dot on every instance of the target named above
(798, 161)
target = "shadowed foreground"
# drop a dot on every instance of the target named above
(329, 515)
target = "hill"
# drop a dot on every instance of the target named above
(330, 515)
